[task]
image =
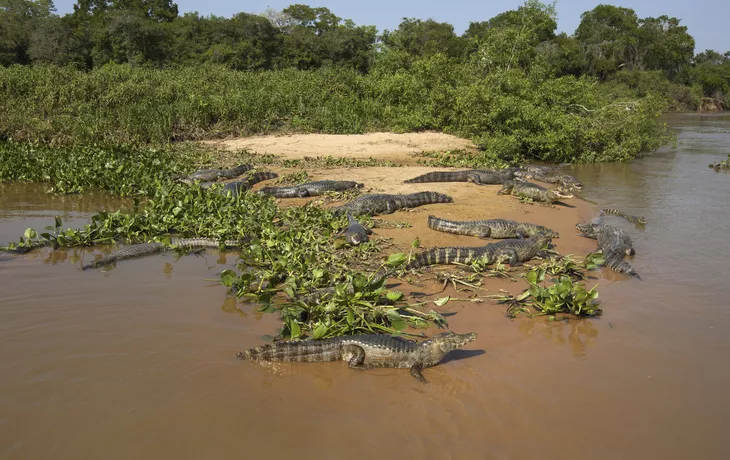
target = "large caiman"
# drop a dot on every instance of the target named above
(365, 351)
(513, 251)
(381, 203)
(307, 189)
(533, 191)
(489, 228)
(477, 176)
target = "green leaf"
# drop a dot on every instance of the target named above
(228, 277)
(319, 331)
(294, 329)
(394, 295)
(29, 233)
(416, 243)
(531, 277)
(442, 301)
(397, 259)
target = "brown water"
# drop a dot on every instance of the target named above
(137, 361)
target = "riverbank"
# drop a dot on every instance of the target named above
(471, 201)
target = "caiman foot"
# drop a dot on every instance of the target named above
(358, 357)
(416, 372)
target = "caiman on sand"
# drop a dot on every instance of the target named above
(381, 203)
(489, 228)
(477, 176)
(365, 351)
(315, 188)
(515, 251)
(533, 191)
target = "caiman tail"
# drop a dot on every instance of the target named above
(449, 255)
(444, 225)
(302, 351)
(439, 176)
(255, 178)
(615, 262)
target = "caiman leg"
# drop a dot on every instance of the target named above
(511, 255)
(416, 372)
(358, 357)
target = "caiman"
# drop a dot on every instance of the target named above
(144, 249)
(615, 261)
(315, 188)
(489, 228)
(356, 233)
(210, 175)
(477, 176)
(551, 176)
(515, 251)
(614, 243)
(381, 203)
(609, 237)
(533, 191)
(242, 185)
(365, 351)
(641, 220)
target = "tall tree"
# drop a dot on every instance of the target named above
(18, 19)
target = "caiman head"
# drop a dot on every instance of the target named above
(588, 229)
(437, 347)
(563, 193)
(570, 183)
(543, 238)
(448, 341)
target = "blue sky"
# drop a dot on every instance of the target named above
(706, 20)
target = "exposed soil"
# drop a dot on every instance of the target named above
(398, 148)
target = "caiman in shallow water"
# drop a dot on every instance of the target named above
(315, 188)
(144, 249)
(365, 351)
(640, 220)
(533, 191)
(489, 228)
(608, 237)
(381, 203)
(614, 244)
(477, 176)
(514, 251)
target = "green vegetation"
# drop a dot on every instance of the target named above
(564, 296)
(138, 72)
(721, 165)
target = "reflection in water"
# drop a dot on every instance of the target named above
(578, 334)
(231, 305)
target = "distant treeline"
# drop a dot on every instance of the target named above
(611, 43)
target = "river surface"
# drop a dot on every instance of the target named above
(137, 361)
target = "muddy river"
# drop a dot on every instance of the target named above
(138, 361)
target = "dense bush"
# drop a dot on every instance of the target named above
(510, 113)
